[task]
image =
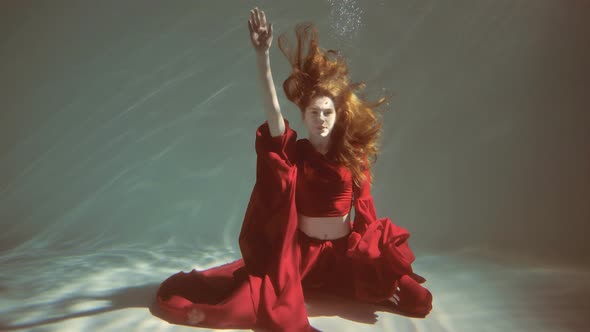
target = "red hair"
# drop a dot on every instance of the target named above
(321, 72)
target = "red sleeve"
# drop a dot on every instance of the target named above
(378, 248)
(282, 146)
(268, 216)
(275, 158)
(268, 241)
(364, 207)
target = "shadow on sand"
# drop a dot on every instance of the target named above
(318, 304)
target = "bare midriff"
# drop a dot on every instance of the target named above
(325, 228)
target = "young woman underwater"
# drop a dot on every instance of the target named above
(297, 232)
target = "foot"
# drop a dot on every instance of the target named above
(411, 298)
(195, 316)
(395, 298)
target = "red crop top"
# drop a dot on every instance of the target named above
(324, 189)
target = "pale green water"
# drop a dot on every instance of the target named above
(127, 154)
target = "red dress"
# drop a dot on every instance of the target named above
(265, 287)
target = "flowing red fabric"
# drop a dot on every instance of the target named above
(264, 288)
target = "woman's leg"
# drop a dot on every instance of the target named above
(323, 267)
(219, 297)
(411, 298)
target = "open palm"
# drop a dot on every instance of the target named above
(260, 34)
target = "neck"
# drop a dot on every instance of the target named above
(321, 144)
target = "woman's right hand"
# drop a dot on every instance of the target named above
(260, 34)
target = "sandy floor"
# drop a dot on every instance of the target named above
(111, 290)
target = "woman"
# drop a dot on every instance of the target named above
(296, 232)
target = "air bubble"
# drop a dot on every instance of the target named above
(346, 18)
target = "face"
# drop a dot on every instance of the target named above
(319, 117)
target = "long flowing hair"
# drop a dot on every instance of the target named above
(319, 72)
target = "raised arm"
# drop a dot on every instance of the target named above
(261, 38)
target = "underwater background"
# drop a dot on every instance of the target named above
(127, 153)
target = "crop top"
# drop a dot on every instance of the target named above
(324, 189)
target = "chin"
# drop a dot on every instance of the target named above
(318, 133)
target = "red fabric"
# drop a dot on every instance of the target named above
(324, 189)
(265, 287)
